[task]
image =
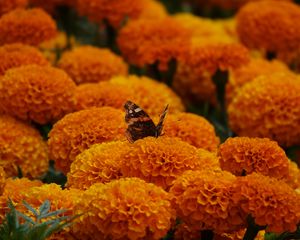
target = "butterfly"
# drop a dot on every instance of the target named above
(140, 125)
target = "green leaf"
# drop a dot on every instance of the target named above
(31, 209)
(45, 208)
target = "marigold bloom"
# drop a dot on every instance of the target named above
(246, 73)
(14, 189)
(90, 64)
(161, 160)
(153, 9)
(276, 19)
(144, 42)
(269, 201)
(203, 200)
(193, 129)
(101, 94)
(79, 130)
(98, 164)
(127, 208)
(37, 26)
(149, 94)
(272, 106)
(8, 5)
(243, 155)
(40, 93)
(21, 146)
(115, 12)
(193, 78)
(204, 30)
(17, 54)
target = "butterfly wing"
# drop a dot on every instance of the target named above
(160, 124)
(140, 125)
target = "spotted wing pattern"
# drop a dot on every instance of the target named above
(140, 125)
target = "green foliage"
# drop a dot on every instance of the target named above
(18, 226)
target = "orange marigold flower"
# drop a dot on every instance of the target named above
(272, 106)
(115, 12)
(183, 232)
(2, 179)
(127, 208)
(21, 146)
(269, 201)
(246, 73)
(293, 177)
(203, 200)
(101, 94)
(90, 64)
(37, 26)
(17, 54)
(144, 42)
(153, 9)
(204, 30)
(193, 129)
(149, 94)
(14, 189)
(9, 5)
(40, 93)
(161, 160)
(98, 164)
(79, 130)
(276, 19)
(243, 155)
(193, 78)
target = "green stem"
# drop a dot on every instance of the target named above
(252, 229)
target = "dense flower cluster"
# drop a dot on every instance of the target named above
(145, 42)
(276, 19)
(21, 146)
(127, 208)
(98, 164)
(193, 129)
(40, 93)
(114, 12)
(161, 160)
(37, 26)
(7, 6)
(270, 202)
(90, 64)
(149, 94)
(78, 131)
(246, 73)
(17, 54)
(239, 235)
(243, 155)
(203, 200)
(273, 109)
